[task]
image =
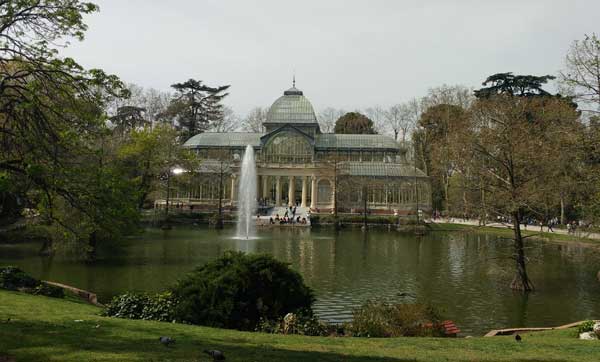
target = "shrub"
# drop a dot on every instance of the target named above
(238, 290)
(13, 278)
(376, 319)
(304, 323)
(49, 290)
(158, 307)
(586, 326)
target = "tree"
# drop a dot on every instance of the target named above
(327, 118)
(511, 144)
(196, 106)
(514, 85)
(129, 118)
(229, 122)
(354, 123)
(402, 118)
(377, 115)
(253, 122)
(52, 125)
(142, 159)
(457, 95)
(441, 125)
(582, 71)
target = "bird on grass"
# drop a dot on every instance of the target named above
(166, 341)
(518, 338)
(216, 355)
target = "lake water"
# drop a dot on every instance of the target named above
(465, 275)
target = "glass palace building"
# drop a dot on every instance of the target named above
(298, 165)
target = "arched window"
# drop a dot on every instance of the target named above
(287, 147)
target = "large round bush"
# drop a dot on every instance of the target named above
(237, 290)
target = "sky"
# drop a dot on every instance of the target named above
(345, 54)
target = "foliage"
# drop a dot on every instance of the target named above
(377, 319)
(49, 290)
(303, 323)
(354, 123)
(13, 278)
(439, 133)
(146, 158)
(586, 326)
(196, 106)
(237, 290)
(514, 85)
(158, 307)
(129, 118)
(53, 135)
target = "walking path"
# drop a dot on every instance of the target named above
(579, 233)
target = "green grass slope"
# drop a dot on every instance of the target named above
(44, 329)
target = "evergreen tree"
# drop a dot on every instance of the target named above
(354, 123)
(196, 106)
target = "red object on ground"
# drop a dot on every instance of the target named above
(450, 329)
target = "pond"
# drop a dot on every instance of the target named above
(465, 275)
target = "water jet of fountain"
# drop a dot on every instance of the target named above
(247, 196)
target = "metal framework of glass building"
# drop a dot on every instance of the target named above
(299, 165)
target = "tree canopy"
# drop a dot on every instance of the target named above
(354, 123)
(196, 106)
(513, 85)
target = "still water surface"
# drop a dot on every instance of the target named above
(465, 275)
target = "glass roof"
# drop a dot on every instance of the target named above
(331, 140)
(322, 141)
(292, 108)
(381, 169)
(229, 139)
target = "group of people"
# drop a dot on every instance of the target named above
(288, 218)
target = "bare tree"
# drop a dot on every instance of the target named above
(582, 73)
(253, 122)
(377, 115)
(400, 119)
(327, 118)
(227, 123)
(457, 95)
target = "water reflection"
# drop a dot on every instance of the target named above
(465, 275)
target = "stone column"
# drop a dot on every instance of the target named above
(265, 193)
(233, 182)
(313, 192)
(278, 190)
(303, 191)
(291, 192)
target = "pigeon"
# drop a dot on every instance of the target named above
(518, 338)
(216, 355)
(166, 341)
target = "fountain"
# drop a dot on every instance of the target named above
(247, 196)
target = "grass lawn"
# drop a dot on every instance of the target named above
(44, 329)
(532, 231)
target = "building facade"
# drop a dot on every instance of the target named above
(299, 165)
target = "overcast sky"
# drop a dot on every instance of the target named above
(345, 54)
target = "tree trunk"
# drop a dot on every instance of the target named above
(365, 208)
(521, 280)
(92, 242)
(47, 248)
(562, 209)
